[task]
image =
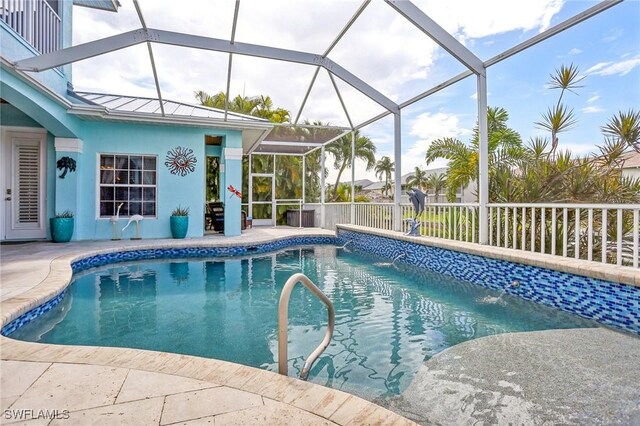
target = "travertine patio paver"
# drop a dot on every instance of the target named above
(72, 387)
(143, 384)
(142, 412)
(207, 402)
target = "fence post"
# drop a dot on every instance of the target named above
(353, 178)
(322, 189)
(483, 184)
(397, 153)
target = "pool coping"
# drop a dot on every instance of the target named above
(614, 273)
(334, 405)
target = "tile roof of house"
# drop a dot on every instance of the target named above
(632, 160)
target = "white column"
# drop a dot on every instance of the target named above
(483, 184)
(353, 177)
(322, 188)
(274, 205)
(304, 177)
(250, 186)
(397, 184)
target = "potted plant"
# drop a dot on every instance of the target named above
(62, 227)
(179, 222)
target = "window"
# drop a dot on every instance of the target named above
(129, 180)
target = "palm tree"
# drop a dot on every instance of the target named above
(505, 149)
(626, 127)
(437, 182)
(258, 106)
(216, 101)
(384, 167)
(559, 118)
(418, 179)
(387, 187)
(341, 151)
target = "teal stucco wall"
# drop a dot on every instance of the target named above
(172, 190)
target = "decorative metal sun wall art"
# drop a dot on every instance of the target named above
(180, 161)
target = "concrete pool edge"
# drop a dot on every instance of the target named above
(614, 273)
(330, 404)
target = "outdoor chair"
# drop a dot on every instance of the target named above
(214, 217)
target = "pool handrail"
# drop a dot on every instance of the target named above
(283, 324)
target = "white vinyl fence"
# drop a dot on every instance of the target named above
(607, 233)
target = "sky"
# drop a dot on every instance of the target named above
(391, 55)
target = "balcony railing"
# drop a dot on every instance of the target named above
(597, 232)
(35, 21)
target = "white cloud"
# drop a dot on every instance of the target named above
(612, 68)
(593, 98)
(428, 127)
(591, 109)
(475, 95)
(613, 35)
(575, 51)
(476, 19)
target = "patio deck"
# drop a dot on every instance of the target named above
(548, 370)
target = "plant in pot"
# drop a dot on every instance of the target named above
(179, 222)
(62, 227)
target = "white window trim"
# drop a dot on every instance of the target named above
(97, 184)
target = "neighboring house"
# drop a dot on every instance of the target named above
(464, 195)
(631, 166)
(360, 184)
(127, 149)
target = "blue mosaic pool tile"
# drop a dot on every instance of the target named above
(609, 303)
(29, 316)
(194, 252)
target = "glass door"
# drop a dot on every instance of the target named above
(262, 192)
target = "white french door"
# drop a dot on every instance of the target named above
(24, 184)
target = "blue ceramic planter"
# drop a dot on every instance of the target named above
(61, 229)
(179, 226)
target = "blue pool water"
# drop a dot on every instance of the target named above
(389, 318)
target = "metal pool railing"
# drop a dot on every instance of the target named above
(283, 324)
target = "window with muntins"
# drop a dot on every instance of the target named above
(129, 180)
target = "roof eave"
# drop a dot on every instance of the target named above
(108, 5)
(105, 113)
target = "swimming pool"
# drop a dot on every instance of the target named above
(389, 318)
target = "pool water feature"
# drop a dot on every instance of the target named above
(388, 320)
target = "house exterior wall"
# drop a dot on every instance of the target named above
(631, 172)
(172, 190)
(29, 107)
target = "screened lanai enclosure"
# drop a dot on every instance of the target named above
(287, 169)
